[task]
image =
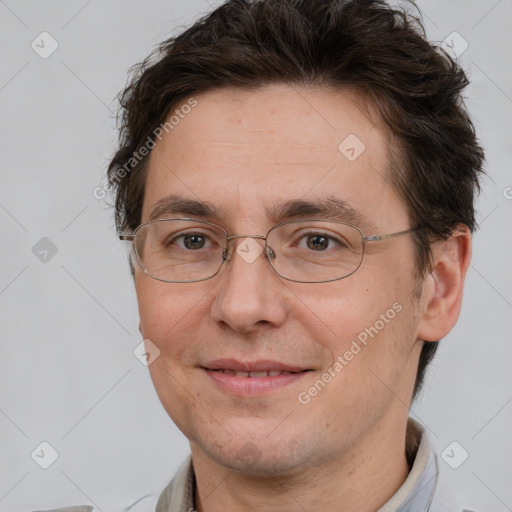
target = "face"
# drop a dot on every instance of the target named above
(340, 352)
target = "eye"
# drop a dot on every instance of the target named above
(319, 241)
(191, 240)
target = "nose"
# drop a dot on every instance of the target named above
(250, 293)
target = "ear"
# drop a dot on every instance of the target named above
(442, 289)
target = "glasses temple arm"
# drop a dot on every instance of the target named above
(376, 238)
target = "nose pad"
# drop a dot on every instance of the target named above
(229, 250)
(227, 254)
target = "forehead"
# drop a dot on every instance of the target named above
(245, 151)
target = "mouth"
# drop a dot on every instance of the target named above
(253, 375)
(254, 378)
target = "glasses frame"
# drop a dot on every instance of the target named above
(226, 255)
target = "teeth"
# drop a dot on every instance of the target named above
(258, 374)
(269, 373)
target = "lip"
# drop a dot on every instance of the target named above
(252, 386)
(260, 365)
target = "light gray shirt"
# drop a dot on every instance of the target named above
(420, 492)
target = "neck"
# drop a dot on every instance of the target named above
(361, 480)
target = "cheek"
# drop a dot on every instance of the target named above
(369, 368)
(366, 329)
(169, 318)
(153, 307)
(167, 315)
(336, 312)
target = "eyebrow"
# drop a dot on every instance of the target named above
(331, 207)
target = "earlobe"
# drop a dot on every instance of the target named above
(446, 283)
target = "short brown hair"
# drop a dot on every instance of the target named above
(366, 46)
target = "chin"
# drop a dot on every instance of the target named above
(262, 456)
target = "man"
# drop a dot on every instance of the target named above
(297, 182)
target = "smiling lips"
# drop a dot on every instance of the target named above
(252, 379)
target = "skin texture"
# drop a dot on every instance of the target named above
(344, 450)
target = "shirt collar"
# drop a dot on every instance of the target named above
(415, 494)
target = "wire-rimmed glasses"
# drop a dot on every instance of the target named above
(184, 250)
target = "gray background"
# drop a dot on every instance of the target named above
(69, 324)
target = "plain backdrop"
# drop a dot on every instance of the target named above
(68, 314)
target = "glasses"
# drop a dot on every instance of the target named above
(305, 251)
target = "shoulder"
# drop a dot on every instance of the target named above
(444, 501)
(144, 504)
(77, 508)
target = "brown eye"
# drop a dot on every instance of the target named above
(320, 242)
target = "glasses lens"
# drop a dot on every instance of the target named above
(180, 250)
(303, 251)
(315, 251)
